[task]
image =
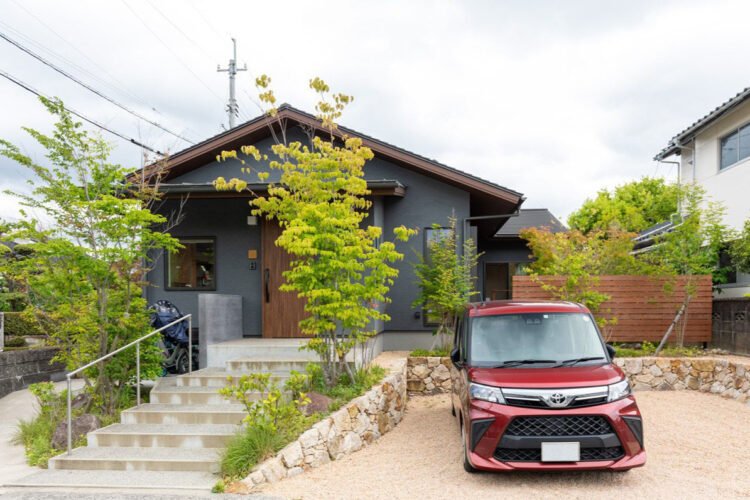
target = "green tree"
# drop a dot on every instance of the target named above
(579, 259)
(691, 248)
(92, 239)
(739, 249)
(340, 268)
(446, 279)
(631, 207)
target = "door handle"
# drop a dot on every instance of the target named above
(266, 274)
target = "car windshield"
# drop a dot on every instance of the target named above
(534, 339)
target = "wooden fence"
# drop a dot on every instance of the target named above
(641, 305)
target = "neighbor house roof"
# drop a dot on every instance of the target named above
(690, 132)
(258, 128)
(530, 217)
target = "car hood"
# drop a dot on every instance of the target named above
(547, 378)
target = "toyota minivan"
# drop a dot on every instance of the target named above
(534, 388)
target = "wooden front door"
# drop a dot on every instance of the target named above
(282, 311)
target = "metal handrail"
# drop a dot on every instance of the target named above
(137, 344)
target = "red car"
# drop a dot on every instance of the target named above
(534, 388)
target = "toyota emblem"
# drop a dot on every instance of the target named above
(557, 399)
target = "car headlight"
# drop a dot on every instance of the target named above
(619, 390)
(486, 393)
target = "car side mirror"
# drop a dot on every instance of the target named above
(611, 350)
(456, 357)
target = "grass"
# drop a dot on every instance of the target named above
(250, 446)
(439, 352)
(648, 349)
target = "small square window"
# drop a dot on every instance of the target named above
(193, 266)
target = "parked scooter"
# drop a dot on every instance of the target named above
(174, 340)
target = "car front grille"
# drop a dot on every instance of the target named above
(574, 425)
(576, 403)
(523, 436)
(535, 454)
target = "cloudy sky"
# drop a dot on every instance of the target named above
(552, 99)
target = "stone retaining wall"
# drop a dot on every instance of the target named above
(19, 369)
(357, 424)
(716, 375)
(428, 375)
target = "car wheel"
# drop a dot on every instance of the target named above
(467, 465)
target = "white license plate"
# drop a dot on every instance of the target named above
(561, 452)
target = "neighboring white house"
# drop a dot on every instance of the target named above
(715, 153)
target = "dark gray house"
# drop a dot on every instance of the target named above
(229, 252)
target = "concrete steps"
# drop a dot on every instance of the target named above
(128, 479)
(175, 440)
(134, 458)
(175, 414)
(276, 366)
(163, 435)
(218, 377)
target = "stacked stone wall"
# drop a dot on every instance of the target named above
(356, 425)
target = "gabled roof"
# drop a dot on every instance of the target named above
(530, 217)
(258, 128)
(689, 133)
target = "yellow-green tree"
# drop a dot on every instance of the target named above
(339, 267)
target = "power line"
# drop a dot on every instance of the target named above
(88, 87)
(175, 26)
(121, 88)
(186, 66)
(79, 115)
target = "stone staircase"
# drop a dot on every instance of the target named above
(175, 441)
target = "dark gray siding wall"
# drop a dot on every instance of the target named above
(225, 220)
(512, 250)
(427, 201)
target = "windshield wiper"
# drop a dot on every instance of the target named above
(578, 360)
(516, 362)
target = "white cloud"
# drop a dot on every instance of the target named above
(553, 99)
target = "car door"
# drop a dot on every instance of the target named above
(458, 377)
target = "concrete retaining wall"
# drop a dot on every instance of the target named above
(359, 423)
(19, 369)
(730, 379)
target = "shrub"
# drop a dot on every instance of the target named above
(35, 435)
(649, 349)
(272, 410)
(22, 323)
(345, 389)
(441, 352)
(14, 341)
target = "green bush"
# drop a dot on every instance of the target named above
(420, 353)
(22, 323)
(344, 390)
(14, 341)
(35, 435)
(648, 349)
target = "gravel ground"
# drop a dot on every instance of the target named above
(698, 446)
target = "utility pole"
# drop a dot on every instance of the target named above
(232, 107)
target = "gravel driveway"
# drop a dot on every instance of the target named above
(698, 446)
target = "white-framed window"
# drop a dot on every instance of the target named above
(734, 147)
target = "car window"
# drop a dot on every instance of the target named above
(553, 336)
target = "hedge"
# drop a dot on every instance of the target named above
(18, 323)
(14, 341)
